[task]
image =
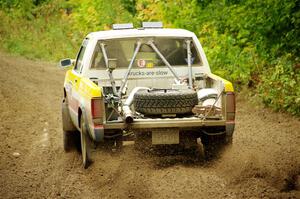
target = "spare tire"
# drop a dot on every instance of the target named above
(165, 101)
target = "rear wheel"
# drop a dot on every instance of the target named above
(71, 140)
(86, 143)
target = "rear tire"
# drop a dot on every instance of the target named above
(86, 144)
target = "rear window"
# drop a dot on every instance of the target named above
(173, 49)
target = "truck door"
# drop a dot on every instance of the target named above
(74, 82)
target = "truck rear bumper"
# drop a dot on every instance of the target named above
(164, 123)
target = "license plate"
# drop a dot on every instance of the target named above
(165, 136)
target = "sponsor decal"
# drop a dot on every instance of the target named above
(141, 63)
(149, 73)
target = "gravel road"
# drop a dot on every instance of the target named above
(264, 161)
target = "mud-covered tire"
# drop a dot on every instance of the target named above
(165, 101)
(71, 140)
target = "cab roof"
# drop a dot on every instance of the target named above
(145, 32)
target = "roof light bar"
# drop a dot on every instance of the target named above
(158, 24)
(122, 26)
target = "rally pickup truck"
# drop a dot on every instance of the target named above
(149, 83)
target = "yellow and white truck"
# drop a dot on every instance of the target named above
(152, 83)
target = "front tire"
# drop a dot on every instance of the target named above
(85, 144)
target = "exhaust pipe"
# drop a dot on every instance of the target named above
(128, 116)
(127, 113)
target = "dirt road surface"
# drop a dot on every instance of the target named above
(264, 161)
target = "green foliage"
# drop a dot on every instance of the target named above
(95, 15)
(129, 5)
(249, 42)
(280, 85)
(37, 37)
(226, 57)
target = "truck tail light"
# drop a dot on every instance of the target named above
(96, 108)
(230, 106)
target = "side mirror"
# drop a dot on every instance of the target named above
(66, 63)
(112, 64)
